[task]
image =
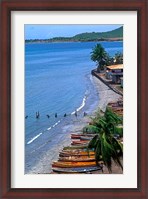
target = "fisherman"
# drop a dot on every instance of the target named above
(56, 115)
(65, 115)
(37, 114)
(85, 114)
(76, 113)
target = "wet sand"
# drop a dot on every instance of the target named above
(44, 165)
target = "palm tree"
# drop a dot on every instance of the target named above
(106, 146)
(118, 58)
(100, 56)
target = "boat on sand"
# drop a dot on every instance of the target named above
(74, 164)
(77, 158)
(76, 153)
(78, 136)
(79, 142)
(76, 170)
(81, 146)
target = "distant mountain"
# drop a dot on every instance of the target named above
(117, 33)
(114, 35)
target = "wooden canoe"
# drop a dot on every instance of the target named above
(118, 113)
(67, 154)
(73, 164)
(78, 136)
(77, 158)
(117, 103)
(86, 138)
(79, 142)
(76, 169)
(82, 146)
(75, 152)
(117, 109)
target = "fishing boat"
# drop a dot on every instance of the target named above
(77, 158)
(117, 108)
(75, 153)
(117, 103)
(118, 112)
(73, 164)
(82, 146)
(86, 138)
(79, 142)
(78, 136)
(76, 170)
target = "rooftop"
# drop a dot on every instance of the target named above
(112, 67)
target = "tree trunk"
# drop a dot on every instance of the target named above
(98, 69)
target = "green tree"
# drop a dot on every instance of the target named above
(100, 56)
(118, 58)
(106, 146)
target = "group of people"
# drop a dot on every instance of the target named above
(56, 115)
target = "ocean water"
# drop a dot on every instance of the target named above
(57, 81)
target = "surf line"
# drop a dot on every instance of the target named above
(34, 138)
(81, 106)
(54, 125)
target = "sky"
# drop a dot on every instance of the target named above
(50, 31)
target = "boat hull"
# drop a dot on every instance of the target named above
(77, 159)
(79, 142)
(78, 136)
(76, 153)
(73, 164)
(76, 170)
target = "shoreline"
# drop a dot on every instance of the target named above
(49, 42)
(105, 96)
(64, 138)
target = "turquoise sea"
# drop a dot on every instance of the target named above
(57, 81)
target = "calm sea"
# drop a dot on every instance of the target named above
(57, 81)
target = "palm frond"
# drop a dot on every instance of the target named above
(104, 144)
(91, 129)
(106, 151)
(112, 117)
(93, 142)
(117, 146)
(98, 154)
(117, 152)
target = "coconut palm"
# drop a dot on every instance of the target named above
(118, 58)
(100, 56)
(106, 146)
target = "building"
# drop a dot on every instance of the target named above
(114, 73)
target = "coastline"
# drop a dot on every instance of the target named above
(64, 139)
(105, 96)
(70, 41)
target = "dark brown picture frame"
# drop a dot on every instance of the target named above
(141, 6)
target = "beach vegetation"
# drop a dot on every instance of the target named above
(100, 56)
(118, 59)
(105, 143)
(90, 129)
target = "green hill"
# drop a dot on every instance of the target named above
(117, 33)
(113, 35)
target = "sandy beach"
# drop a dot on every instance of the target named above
(105, 95)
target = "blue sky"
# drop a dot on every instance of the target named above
(50, 31)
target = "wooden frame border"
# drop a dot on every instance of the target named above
(6, 6)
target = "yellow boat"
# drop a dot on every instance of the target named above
(76, 153)
(77, 158)
(73, 164)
